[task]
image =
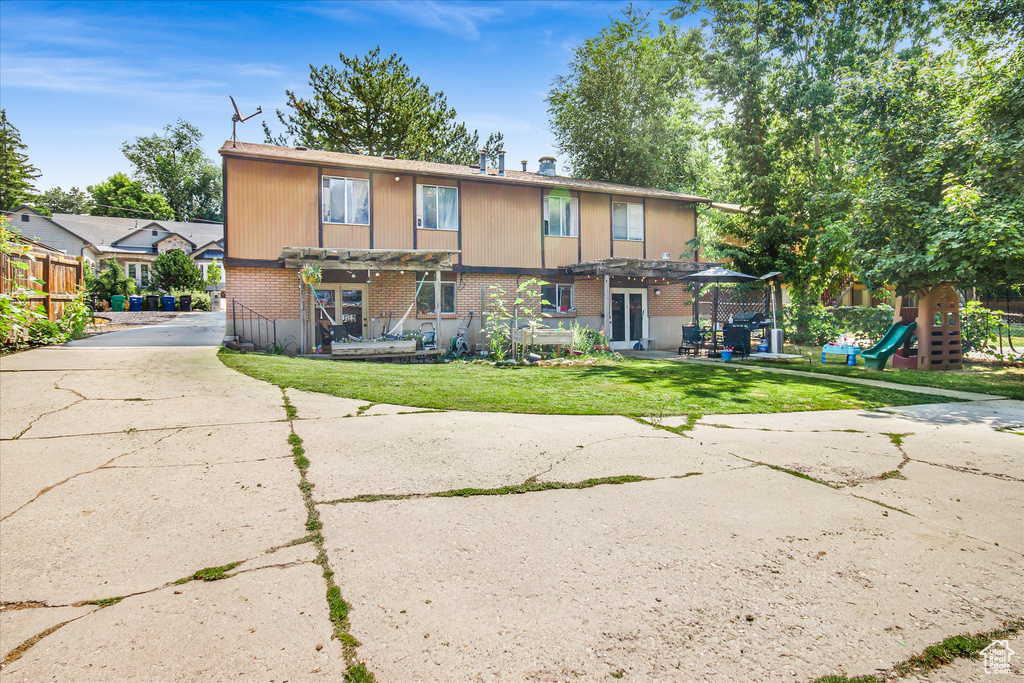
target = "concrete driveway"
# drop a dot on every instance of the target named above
(778, 547)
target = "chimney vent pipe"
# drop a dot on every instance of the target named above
(547, 166)
(523, 162)
(483, 162)
(501, 162)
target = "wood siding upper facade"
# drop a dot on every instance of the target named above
(271, 205)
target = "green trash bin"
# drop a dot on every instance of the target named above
(117, 303)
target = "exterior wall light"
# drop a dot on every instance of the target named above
(657, 291)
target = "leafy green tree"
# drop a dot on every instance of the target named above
(940, 154)
(119, 195)
(624, 112)
(174, 166)
(174, 269)
(374, 105)
(772, 72)
(16, 173)
(213, 273)
(59, 200)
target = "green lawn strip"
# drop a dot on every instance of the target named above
(981, 378)
(967, 646)
(529, 486)
(338, 609)
(634, 388)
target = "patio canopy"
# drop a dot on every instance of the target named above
(369, 259)
(635, 267)
(718, 275)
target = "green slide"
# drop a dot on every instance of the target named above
(877, 355)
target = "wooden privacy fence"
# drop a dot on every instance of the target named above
(62, 278)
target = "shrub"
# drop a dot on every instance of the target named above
(17, 312)
(978, 326)
(824, 325)
(76, 316)
(174, 269)
(43, 332)
(200, 299)
(111, 281)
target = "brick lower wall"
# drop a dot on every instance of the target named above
(271, 292)
(274, 293)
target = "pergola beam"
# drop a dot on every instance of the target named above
(369, 259)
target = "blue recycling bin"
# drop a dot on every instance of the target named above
(135, 303)
(168, 303)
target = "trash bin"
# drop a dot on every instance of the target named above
(168, 303)
(152, 302)
(185, 300)
(135, 303)
(117, 303)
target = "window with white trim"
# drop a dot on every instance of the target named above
(345, 200)
(437, 207)
(561, 216)
(628, 221)
(138, 272)
(425, 298)
(558, 298)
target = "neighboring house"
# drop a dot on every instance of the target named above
(390, 232)
(134, 243)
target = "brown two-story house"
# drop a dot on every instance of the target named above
(394, 237)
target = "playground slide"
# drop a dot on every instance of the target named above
(877, 355)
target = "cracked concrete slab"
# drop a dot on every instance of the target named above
(999, 413)
(656, 580)
(829, 421)
(218, 445)
(994, 453)
(312, 406)
(426, 452)
(108, 416)
(259, 625)
(975, 506)
(18, 625)
(835, 457)
(31, 395)
(118, 531)
(28, 467)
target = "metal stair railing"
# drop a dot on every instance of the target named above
(251, 327)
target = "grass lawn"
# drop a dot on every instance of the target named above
(631, 387)
(983, 378)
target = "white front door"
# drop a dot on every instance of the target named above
(628, 317)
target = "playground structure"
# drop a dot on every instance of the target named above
(935, 322)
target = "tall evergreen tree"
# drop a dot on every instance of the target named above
(373, 105)
(16, 173)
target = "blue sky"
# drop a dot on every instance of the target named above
(77, 79)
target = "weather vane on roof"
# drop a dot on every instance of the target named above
(237, 118)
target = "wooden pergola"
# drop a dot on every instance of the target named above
(413, 260)
(632, 268)
(369, 259)
(636, 267)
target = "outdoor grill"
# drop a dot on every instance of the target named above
(752, 321)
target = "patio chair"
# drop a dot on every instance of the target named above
(738, 337)
(693, 341)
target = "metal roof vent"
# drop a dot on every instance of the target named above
(547, 166)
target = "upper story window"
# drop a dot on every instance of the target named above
(346, 200)
(561, 216)
(627, 221)
(437, 207)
